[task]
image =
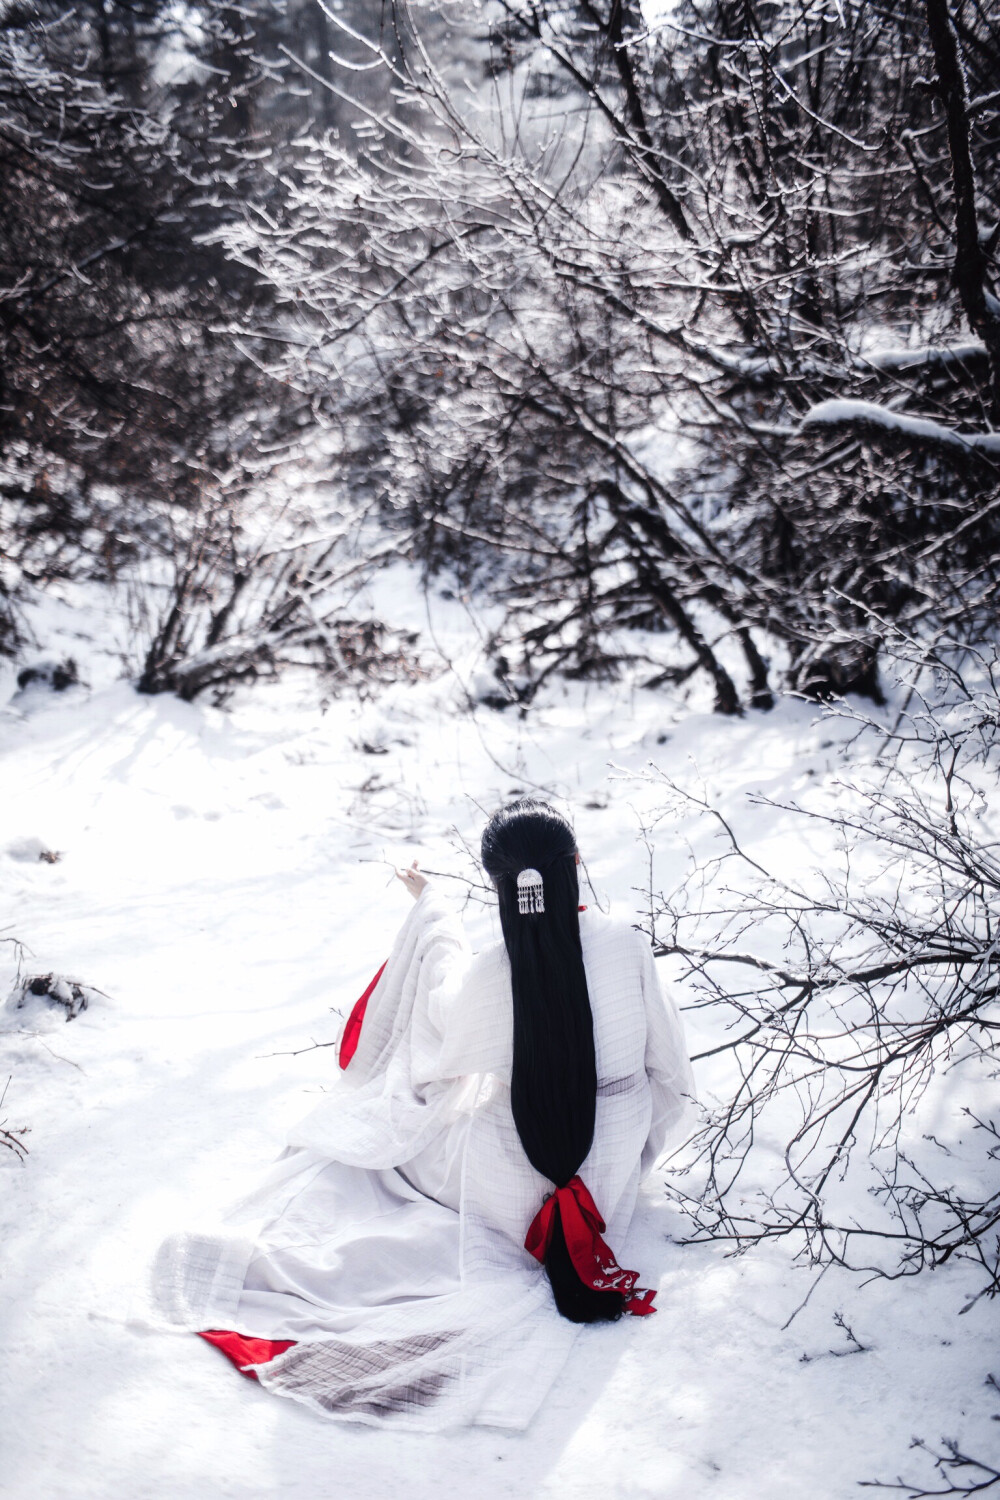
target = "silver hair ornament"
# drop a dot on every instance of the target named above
(530, 893)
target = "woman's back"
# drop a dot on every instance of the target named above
(502, 1191)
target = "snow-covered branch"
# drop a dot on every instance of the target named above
(899, 429)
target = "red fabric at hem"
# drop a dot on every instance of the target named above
(245, 1351)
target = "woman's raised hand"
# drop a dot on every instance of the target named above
(412, 879)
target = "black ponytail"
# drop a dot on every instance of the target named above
(553, 1091)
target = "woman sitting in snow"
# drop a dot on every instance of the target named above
(425, 1248)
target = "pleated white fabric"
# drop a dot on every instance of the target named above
(388, 1240)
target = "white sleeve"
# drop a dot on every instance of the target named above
(668, 1068)
(392, 1100)
(428, 956)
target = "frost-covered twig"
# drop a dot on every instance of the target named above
(13, 1140)
(958, 1472)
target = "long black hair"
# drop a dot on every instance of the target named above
(553, 1090)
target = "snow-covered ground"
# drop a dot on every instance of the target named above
(225, 879)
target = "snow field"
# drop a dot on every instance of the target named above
(225, 879)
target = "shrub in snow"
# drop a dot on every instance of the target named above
(854, 1109)
(40, 992)
(57, 675)
(30, 850)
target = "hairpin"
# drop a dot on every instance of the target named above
(530, 893)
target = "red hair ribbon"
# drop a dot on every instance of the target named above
(593, 1260)
(352, 1031)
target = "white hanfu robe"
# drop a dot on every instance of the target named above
(388, 1241)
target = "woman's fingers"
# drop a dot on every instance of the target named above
(412, 879)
